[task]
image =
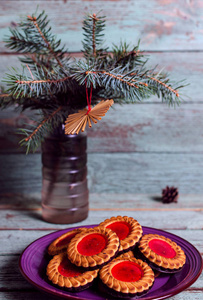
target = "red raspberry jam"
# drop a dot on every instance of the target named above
(127, 271)
(162, 248)
(67, 269)
(66, 240)
(122, 229)
(92, 244)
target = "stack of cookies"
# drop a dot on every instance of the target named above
(116, 253)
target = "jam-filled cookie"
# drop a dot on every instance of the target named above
(64, 274)
(93, 248)
(126, 277)
(61, 243)
(128, 230)
(161, 253)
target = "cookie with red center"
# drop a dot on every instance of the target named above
(128, 230)
(126, 277)
(61, 243)
(93, 248)
(161, 253)
(62, 272)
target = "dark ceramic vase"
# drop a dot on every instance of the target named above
(64, 178)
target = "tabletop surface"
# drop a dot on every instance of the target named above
(21, 224)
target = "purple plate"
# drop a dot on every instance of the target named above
(34, 259)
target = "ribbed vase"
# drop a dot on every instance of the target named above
(64, 178)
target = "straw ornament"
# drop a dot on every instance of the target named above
(78, 121)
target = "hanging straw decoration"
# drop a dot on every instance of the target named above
(78, 121)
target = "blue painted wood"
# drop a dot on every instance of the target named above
(112, 173)
(161, 25)
(137, 149)
(127, 129)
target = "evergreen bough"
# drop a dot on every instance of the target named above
(55, 84)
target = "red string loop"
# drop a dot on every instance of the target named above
(89, 98)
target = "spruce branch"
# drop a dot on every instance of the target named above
(4, 95)
(55, 84)
(164, 88)
(34, 20)
(116, 80)
(94, 19)
(164, 84)
(36, 135)
(38, 82)
(124, 55)
(93, 27)
(33, 35)
(20, 43)
(121, 78)
(42, 123)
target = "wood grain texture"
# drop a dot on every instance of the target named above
(128, 128)
(118, 173)
(149, 128)
(141, 172)
(34, 294)
(131, 202)
(162, 25)
(167, 220)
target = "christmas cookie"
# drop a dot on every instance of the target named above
(161, 253)
(61, 243)
(93, 248)
(126, 277)
(64, 274)
(128, 230)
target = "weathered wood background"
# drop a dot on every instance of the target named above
(136, 148)
(133, 153)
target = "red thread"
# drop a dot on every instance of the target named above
(89, 99)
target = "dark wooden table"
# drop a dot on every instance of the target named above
(21, 224)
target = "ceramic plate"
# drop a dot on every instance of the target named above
(34, 259)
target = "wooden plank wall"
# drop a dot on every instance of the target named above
(136, 148)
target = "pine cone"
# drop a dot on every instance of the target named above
(170, 194)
